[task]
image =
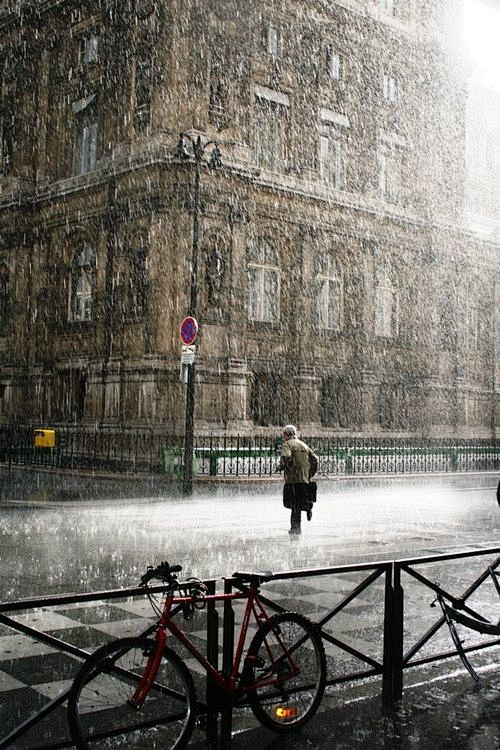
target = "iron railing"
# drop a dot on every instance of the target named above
(149, 452)
(377, 592)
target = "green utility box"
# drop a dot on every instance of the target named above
(45, 438)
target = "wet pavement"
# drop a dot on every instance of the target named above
(61, 535)
(446, 713)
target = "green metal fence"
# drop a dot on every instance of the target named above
(148, 452)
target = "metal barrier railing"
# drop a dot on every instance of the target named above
(390, 664)
(148, 452)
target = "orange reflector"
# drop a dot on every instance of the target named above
(288, 712)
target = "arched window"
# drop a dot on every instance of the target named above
(263, 282)
(82, 278)
(330, 294)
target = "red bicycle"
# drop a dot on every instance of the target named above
(137, 692)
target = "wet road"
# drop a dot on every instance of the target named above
(67, 535)
(91, 535)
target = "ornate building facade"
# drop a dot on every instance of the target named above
(337, 285)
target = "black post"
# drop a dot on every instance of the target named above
(213, 658)
(392, 685)
(227, 662)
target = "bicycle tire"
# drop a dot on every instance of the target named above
(100, 716)
(292, 701)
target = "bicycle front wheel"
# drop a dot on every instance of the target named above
(288, 672)
(100, 715)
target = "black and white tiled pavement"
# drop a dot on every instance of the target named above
(32, 673)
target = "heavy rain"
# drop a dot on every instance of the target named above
(218, 218)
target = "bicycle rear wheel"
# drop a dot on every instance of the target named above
(100, 716)
(288, 666)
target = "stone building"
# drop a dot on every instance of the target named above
(337, 286)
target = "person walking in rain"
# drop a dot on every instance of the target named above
(299, 463)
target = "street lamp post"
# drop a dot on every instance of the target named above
(214, 160)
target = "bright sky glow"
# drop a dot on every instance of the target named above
(482, 35)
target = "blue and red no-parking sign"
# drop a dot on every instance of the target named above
(188, 330)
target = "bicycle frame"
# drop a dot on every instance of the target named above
(229, 684)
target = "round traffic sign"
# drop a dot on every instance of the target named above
(188, 330)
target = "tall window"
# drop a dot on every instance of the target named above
(390, 164)
(138, 282)
(477, 314)
(263, 282)
(333, 64)
(389, 87)
(8, 131)
(144, 69)
(330, 158)
(4, 296)
(272, 40)
(89, 49)
(219, 103)
(82, 273)
(448, 317)
(329, 294)
(270, 134)
(86, 145)
(386, 306)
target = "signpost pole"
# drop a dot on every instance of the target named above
(198, 151)
(187, 485)
(188, 333)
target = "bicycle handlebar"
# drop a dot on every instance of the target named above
(163, 572)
